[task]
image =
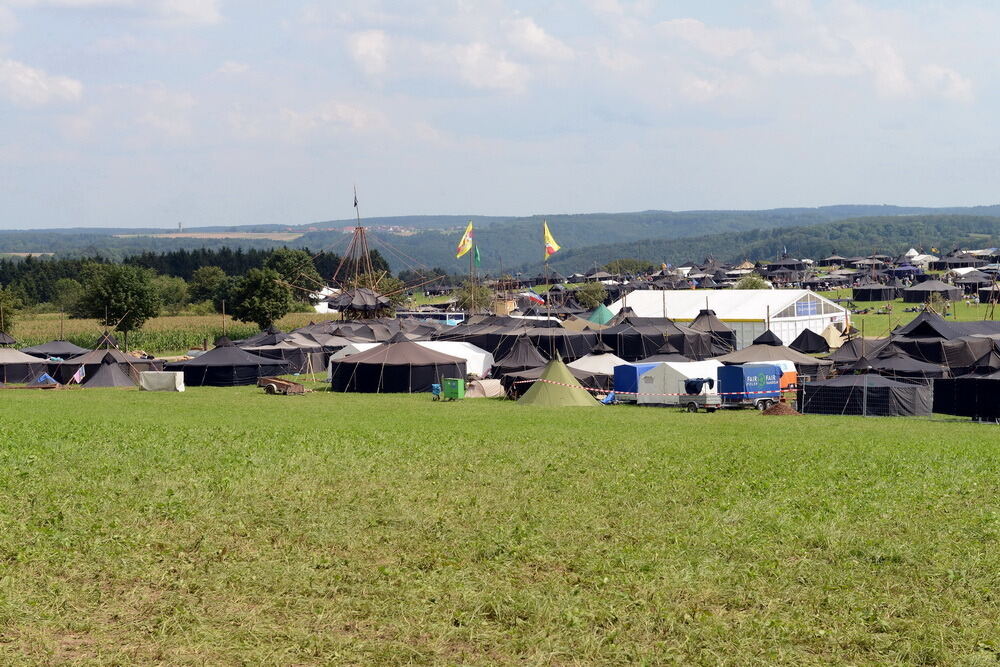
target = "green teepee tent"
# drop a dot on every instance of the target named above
(601, 315)
(558, 395)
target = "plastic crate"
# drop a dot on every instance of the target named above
(453, 388)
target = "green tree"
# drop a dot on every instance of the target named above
(119, 296)
(628, 265)
(591, 295)
(752, 281)
(173, 293)
(205, 283)
(261, 297)
(10, 304)
(297, 271)
(473, 296)
(65, 293)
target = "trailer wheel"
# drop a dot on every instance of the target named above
(763, 405)
(710, 410)
(692, 407)
(270, 389)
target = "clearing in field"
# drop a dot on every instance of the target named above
(223, 526)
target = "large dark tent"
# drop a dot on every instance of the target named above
(397, 366)
(922, 292)
(767, 351)
(93, 359)
(667, 352)
(856, 348)
(17, 367)
(975, 397)
(61, 349)
(723, 338)
(637, 338)
(110, 374)
(569, 345)
(521, 357)
(873, 291)
(891, 363)
(226, 366)
(869, 395)
(810, 342)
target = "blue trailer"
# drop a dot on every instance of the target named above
(758, 385)
(627, 380)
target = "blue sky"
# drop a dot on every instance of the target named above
(154, 112)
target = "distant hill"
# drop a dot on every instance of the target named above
(515, 242)
(861, 236)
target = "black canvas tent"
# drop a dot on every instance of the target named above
(922, 292)
(7, 339)
(975, 397)
(226, 366)
(109, 375)
(873, 291)
(667, 352)
(397, 366)
(62, 349)
(723, 337)
(521, 357)
(868, 395)
(17, 367)
(810, 342)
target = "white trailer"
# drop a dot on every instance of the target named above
(664, 385)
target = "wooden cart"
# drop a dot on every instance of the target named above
(279, 386)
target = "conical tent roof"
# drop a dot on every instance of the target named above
(402, 353)
(568, 392)
(106, 341)
(362, 300)
(226, 354)
(601, 315)
(7, 339)
(771, 353)
(767, 338)
(810, 342)
(521, 356)
(56, 348)
(109, 375)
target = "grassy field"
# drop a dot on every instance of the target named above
(161, 335)
(879, 325)
(222, 526)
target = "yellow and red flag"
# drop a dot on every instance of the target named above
(465, 244)
(551, 247)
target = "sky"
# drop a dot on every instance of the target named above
(134, 113)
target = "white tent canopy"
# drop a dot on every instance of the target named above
(598, 363)
(747, 312)
(477, 360)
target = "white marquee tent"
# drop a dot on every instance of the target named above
(747, 312)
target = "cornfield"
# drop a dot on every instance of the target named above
(162, 335)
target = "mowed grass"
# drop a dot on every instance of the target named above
(223, 526)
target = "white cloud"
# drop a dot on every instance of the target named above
(719, 42)
(947, 83)
(232, 67)
(331, 116)
(171, 11)
(483, 66)
(8, 22)
(166, 111)
(28, 86)
(370, 50)
(532, 39)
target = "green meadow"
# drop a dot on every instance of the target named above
(226, 527)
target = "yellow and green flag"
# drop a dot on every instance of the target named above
(465, 244)
(551, 247)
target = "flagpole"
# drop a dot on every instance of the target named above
(472, 280)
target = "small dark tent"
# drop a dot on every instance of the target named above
(57, 348)
(922, 292)
(110, 374)
(810, 342)
(396, 366)
(107, 341)
(869, 395)
(856, 348)
(723, 337)
(873, 291)
(667, 352)
(522, 356)
(7, 339)
(768, 338)
(226, 366)
(891, 363)
(361, 301)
